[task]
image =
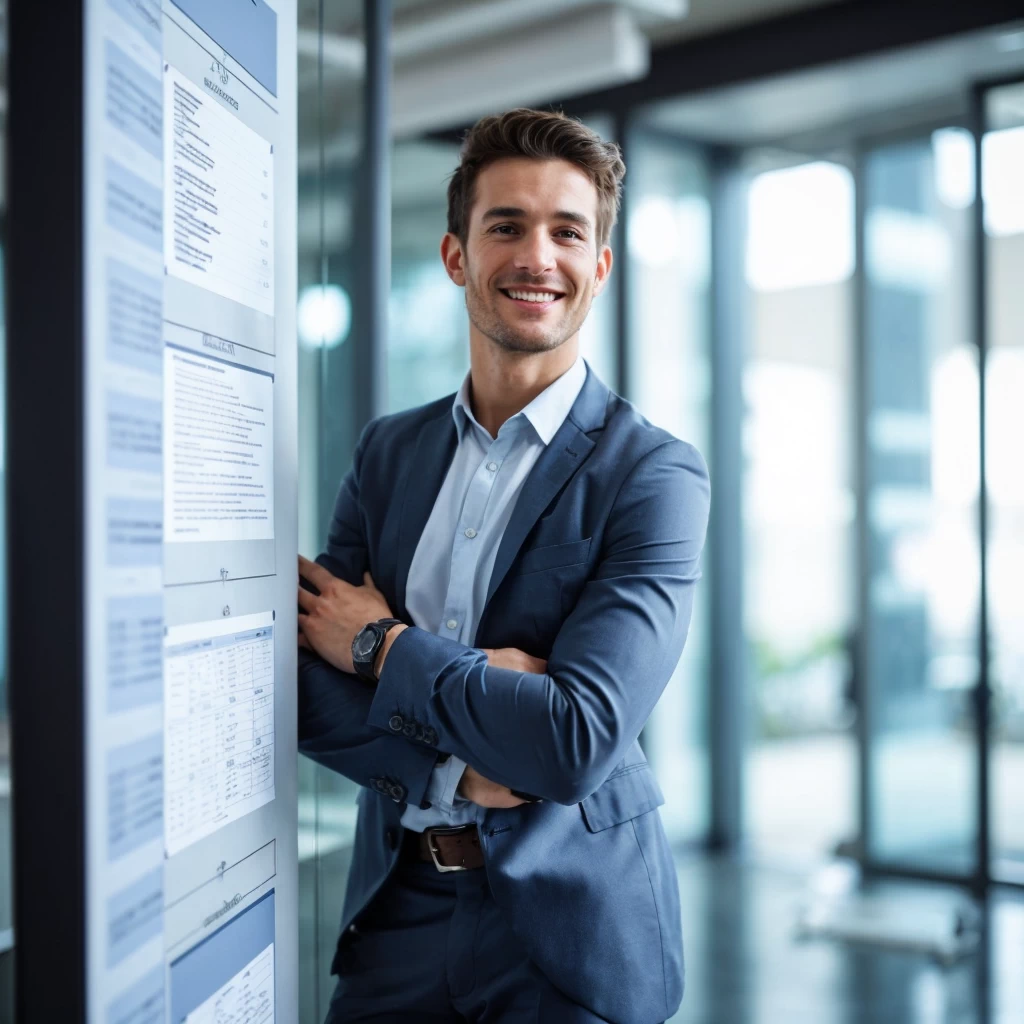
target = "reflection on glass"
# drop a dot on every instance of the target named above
(428, 332)
(1002, 177)
(798, 509)
(669, 248)
(922, 462)
(328, 319)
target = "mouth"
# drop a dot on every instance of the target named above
(532, 298)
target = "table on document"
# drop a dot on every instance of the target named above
(218, 725)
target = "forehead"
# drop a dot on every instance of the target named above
(536, 186)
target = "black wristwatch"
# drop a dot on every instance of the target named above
(366, 646)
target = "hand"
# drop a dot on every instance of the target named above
(328, 622)
(473, 786)
(513, 658)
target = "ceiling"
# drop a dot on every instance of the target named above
(826, 106)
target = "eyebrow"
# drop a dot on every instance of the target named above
(501, 212)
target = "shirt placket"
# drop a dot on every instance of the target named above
(467, 549)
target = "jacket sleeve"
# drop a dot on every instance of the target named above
(559, 734)
(334, 706)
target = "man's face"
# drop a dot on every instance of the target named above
(531, 264)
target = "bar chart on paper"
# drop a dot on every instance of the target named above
(219, 205)
(218, 724)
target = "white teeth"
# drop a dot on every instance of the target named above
(533, 296)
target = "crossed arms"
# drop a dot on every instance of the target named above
(554, 729)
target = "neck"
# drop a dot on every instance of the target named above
(504, 383)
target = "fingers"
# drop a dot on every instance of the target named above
(368, 582)
(307, 601)
(303, 642)
(316, 574)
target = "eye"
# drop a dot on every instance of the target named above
(571, 233)
(504, 229)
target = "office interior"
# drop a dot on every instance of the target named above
(817, 282)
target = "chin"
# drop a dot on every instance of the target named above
(518, 343)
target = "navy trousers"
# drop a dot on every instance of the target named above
(433, 948)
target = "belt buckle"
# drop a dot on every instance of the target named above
(430, 833)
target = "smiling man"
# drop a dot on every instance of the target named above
(505, 592)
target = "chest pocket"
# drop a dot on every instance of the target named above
(546, 585)
(554, 556)
(633, 792)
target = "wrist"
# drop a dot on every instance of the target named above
(389, 639)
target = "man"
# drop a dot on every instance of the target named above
(536, 544)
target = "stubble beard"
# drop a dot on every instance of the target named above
(489, 323)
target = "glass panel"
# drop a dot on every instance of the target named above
(329, 316)
(428, 331)
(798, 506)
(669, 249)
(1003, 174)
(922, 466)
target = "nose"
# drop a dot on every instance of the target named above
(535, 253)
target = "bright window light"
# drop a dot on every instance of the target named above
(1002, 173)
(324, 315)
(800, 227)
(676, 232)
(906, 250)
(953, 153)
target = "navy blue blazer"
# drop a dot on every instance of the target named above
(595, 573)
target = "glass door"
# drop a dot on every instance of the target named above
(800, 778)
(1003, 191)
(921, 555)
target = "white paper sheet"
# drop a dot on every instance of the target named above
(218, 449)
(218, 724)
(218, 197)
(248, 998)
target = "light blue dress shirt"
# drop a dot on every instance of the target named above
(452, 565)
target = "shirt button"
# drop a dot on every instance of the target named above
(471, 533)
(452, 624)
(492, 466)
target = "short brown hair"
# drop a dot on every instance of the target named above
(537, 135)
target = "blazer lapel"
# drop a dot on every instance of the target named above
(567, 451)
(423, 479)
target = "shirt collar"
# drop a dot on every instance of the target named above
(546, 413)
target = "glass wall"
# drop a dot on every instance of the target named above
(1003, 185)
(669, 251)
(922, 492)
(428, 331)
(798, 505)
(330, 325)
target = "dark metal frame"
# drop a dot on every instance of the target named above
(982, 696)
(728, 646)
(46, 531)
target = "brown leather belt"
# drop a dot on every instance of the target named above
(448, 849)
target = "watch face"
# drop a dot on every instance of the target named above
(362, 647)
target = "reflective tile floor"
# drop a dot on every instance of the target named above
(744, 965)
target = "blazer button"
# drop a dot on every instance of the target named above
(430, 736)
(396, 723)
(409, 730)
(397, 793)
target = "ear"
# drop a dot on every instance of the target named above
(604, 269)
(452, 258)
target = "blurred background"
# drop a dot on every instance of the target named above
(819, 281)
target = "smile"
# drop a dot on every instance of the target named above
(520, 295)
